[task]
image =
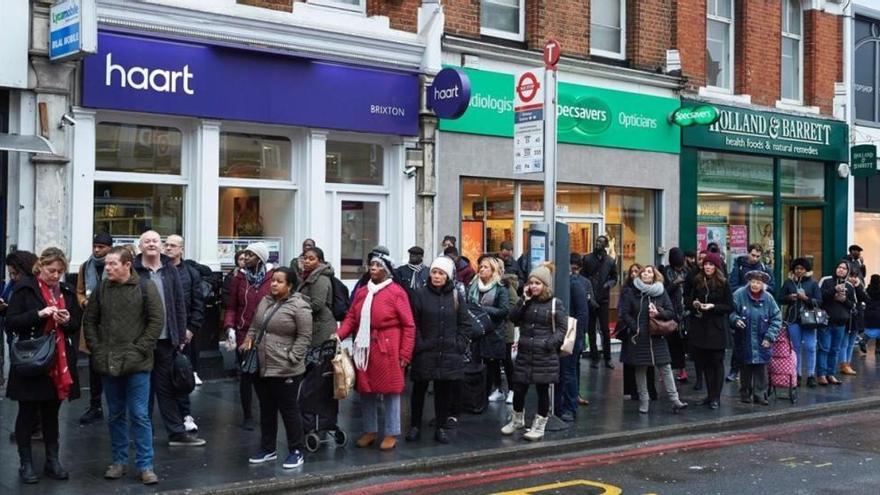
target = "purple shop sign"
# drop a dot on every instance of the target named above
(183, 78)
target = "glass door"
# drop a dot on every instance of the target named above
(361, 228)
(802, 237)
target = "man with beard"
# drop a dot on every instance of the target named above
(601, 271)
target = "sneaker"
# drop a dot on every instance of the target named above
(293, 460)
(263, 456)
(186, 440)
(189, 424)
(496, 396)
(197, 379)
(509, 397)
(732, 376)
(148, 477)
(114, 471)
(91, 415)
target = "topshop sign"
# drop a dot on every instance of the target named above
(169, 77)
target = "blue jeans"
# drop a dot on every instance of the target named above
(370, 413)
(829, 343)
(807, 336)
(846, 347)
(129, 393)
(566, 392)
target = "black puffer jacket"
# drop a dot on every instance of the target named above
(839, 312)
(709, 329)
(872, 309)
(492, 345)
(643, 349)
(442, 328)
(537, 358)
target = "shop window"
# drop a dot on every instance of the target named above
(137, 148)
(249, 215)
(254, 157)
(576, 199)
(735, 204)
(608, 28)
(503, 18)
(719, 44)
(359, 234)
(355, 163)
(532, 197)
(791, 50)
(487, 216)
(126, 210)
(866, 80)
(629, 225)
(803, 180)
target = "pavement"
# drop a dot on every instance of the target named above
(221, 466)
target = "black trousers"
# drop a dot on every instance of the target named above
(96, 387)
(30, 415)
(245, 390)
(279, 394)
(711, 363)
(162, 389)
(192, 352)
(599, 323)
(519, 397)
(443, 395)
(493, 372)
(753, 380)
(677, 346)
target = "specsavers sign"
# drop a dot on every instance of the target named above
(769, 133)
(586, 115)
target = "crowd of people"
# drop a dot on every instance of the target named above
(474, 333)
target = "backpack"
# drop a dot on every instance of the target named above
(209, 282)
(341, 299)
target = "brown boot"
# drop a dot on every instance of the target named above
(366, 440)
(388, 443)
(846, 369)
(822, 380)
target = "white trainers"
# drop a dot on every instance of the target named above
(198, 380)
(509, 397)
(189, 424)
(496, 396)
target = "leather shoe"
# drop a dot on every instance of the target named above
(582, 402)
(440, 435)
(761, 400)
(811, 381)
(822, 380)
(833, 380)
(414, 434)
(366, 440)
(609, 365)
(713, 405)
(388, 443)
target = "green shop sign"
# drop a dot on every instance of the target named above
(585, 115)
(768, 133)
(863, 160)
(695, 115)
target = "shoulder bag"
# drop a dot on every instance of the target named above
(812, 317)
(250, 362)
(33, 357)
(660, 328)
(567, 347)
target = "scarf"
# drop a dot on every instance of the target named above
(59, 372)
(416, 269)
(256, 277)
(483, 294)
(362, 339)
(93, 278)
(653, 290)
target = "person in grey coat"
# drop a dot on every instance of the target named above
(317, 286)
(649, 300)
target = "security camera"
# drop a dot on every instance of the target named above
(843, 170)
(67, 119)
(410, 172)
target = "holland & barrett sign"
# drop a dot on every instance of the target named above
(585, 115)
(864, 160)
(768, 133)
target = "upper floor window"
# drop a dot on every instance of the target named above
(503, 18)
(608, 28)
(719, 44)
(866, 80)
(354, 5)
(792, 36)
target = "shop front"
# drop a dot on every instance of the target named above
(766, 178)
(228, 146)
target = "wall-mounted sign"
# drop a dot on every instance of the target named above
(73, 29)
(769, 133)
(450, 93)
(586, 115)
(863, 160)
(142, 74)
(695, 115)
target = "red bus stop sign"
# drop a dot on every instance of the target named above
(551, 54)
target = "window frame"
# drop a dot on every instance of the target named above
(497, 33)
(731, 38)
(871, 20)
(786, 5)
(361, 8)
(605, 53)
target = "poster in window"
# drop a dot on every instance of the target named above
(246, 212)
(472, 238)
(739, 240)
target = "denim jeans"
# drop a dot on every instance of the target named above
(566, 391)
(829, 343)
(370, 413)
(807, 337)
(129, 393)
(847, 343)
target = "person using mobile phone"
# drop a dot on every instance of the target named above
(799, 293)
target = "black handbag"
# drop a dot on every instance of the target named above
(250, 361)
(182, 376)
(480, 319)
(33, 357)
(811, 317)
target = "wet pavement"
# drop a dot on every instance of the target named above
(85, 450)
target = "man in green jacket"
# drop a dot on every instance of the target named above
(122, 322)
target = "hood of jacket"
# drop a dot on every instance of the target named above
(324, 269)
(793, 277)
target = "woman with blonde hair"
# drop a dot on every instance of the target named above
(489, 293)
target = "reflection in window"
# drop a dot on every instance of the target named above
(866, 81)
(254, 157)
(503, 16)
(486, 215)
(137, 148)
(128, 209)
(354, 163)
(719, 25)
(359, 235)
(255, 214)
(607, 25)
(802, 179)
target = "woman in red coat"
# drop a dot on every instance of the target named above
(381, 323)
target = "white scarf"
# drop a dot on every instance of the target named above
(361, 346)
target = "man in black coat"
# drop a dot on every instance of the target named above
(582, 302)
(601, 270)
(414, 274)
(511, 266)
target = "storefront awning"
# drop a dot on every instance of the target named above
(28, 144)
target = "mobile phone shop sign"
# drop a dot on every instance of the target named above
(161, 76)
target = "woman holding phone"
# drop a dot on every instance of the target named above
(40, 305)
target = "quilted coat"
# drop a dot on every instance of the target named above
(441, 331)
(392, 338)
(763, 322)
(642, 348)
(537, 357)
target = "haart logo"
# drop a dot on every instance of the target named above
(159, 80)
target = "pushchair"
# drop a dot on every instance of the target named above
(318, 408)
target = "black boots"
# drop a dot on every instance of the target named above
(26, 471)
(53, 468)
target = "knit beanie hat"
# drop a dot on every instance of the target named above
(444, 263)
(801, 262)
(385, 260)
(260, 250)
(714, 259)
(544, 273)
